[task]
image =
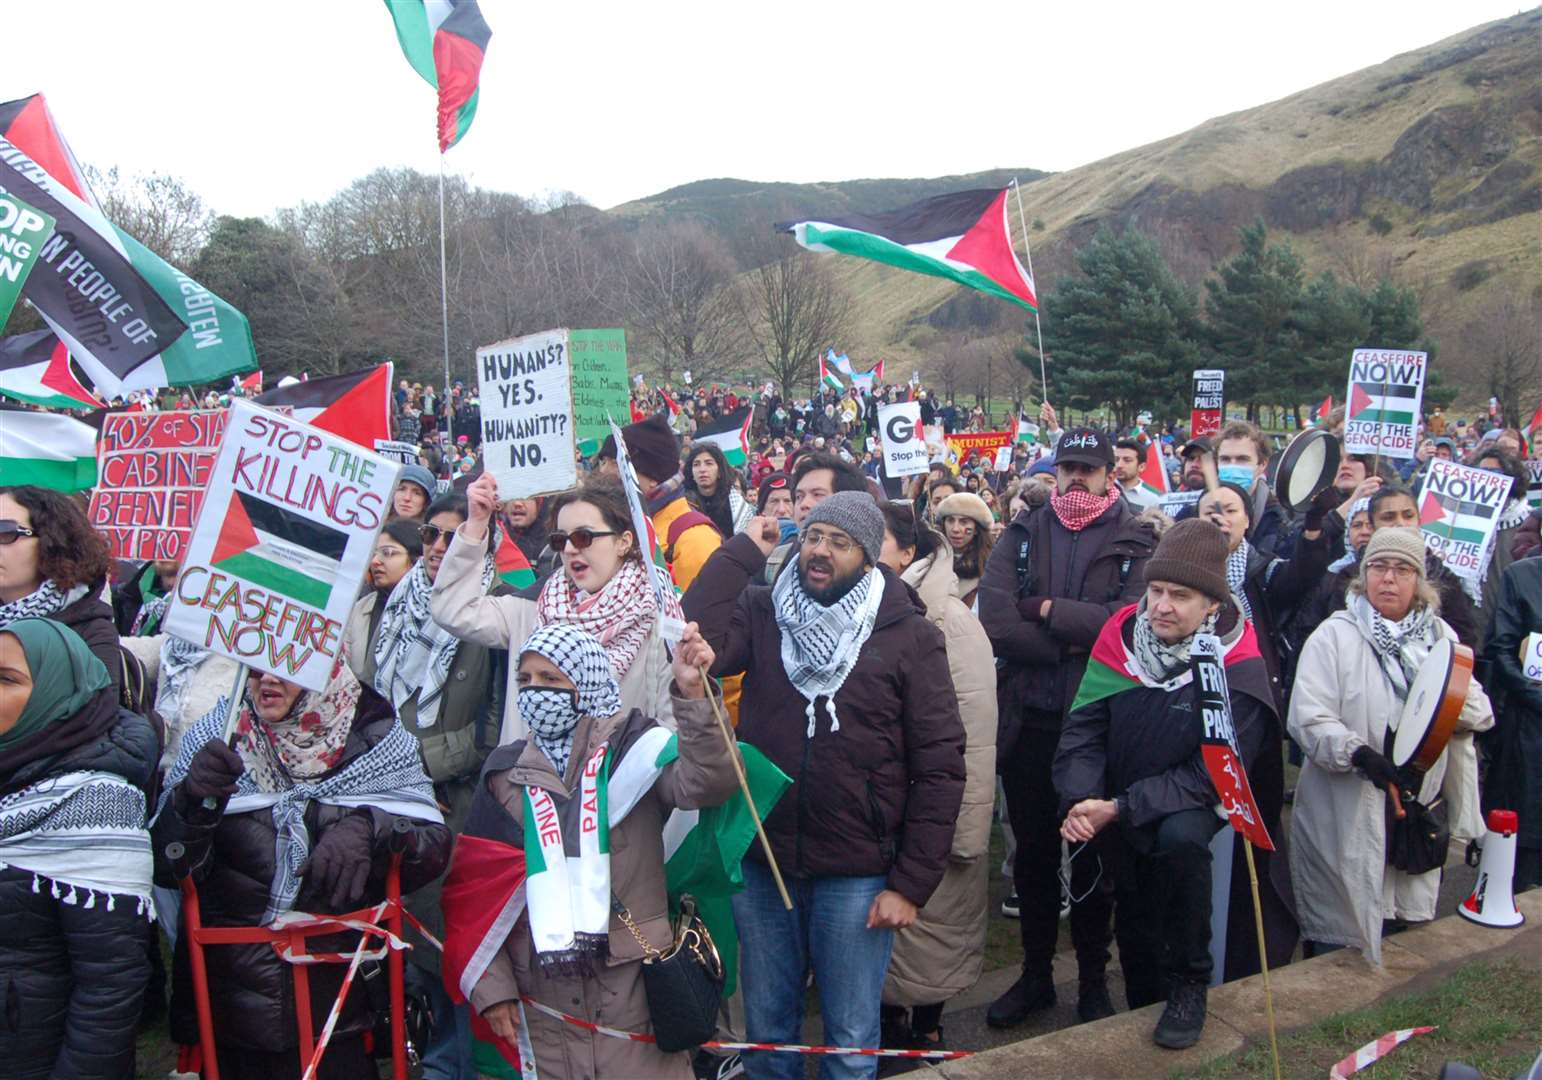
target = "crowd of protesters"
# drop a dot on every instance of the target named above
(1003, 638)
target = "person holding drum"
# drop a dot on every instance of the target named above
(1396, 507)
(1357, 706)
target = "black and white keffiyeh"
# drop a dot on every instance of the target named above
(820, 644)
(388, 776)
(1237, 576)
(1159, 660)
(552, 714)
(1351, 557)
(82, 832)
(1401, 647)
(42, 603)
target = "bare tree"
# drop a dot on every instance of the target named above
(794, 310)
(680, 300)
(159, 211)
(1504, 344)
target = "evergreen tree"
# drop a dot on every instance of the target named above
(1253, 309)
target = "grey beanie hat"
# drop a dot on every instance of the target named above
(417, 474)
(854, 513)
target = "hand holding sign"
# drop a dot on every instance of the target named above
(481, 502)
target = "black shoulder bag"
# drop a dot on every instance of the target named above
(684, 985)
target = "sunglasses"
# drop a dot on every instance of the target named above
(430, 534)
(11, 531)
(580, 538)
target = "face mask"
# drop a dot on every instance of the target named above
(1241, 475)
(550, 713)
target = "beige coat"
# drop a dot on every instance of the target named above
(357, 639)
(701, 776)
(941, 953)
(206, 687)
(504, 622)
(1342, 700)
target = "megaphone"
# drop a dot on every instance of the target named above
(1492, 902)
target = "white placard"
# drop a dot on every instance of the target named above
(397, 450)
(288, 523)
(1531, 657)
(527, 415)
(904, 443)
(1459, 510)
(1003, 458)
(1534, 484)
(1386, 392)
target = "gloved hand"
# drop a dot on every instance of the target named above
(213, 772)
(1377, 769)
(1317, 510)
(339, 863)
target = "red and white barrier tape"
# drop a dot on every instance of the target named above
(298, 920)
(1373, 1052)
(342, 992)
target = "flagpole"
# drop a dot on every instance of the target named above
(444, 311)
(1022, 223)
(1263, 955)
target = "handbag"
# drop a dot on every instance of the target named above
(684, 985)
(1417, 843)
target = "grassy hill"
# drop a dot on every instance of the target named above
(1427, 167)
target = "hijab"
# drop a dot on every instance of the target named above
(552, 715)
(66, 676)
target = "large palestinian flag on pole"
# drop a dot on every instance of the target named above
(827, 377)
(36, 368)
(355, 405)
(731, 435)
(445, 41)
(50, 450)
(963, 236)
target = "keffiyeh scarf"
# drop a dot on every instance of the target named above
(1237, 576)
(46, 600)
(1351, 557)
(1161, 661)
(820, 644)
(1401, 647)
(621, 615)
(1078, 509)
(580, 657)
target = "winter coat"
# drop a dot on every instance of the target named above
(1088, 576)
(1528, 536)
(1515, 775)
(72, 977)
(882, 794)
(251, 991)
(1275, 589)
(361, 632)
(690, 549)
(940, 954)
(1343, 700)
(498, 621)
(207, 686)
(91, 618)
(700, 777)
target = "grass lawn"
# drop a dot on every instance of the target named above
(1488, 1015)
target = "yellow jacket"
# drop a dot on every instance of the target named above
(690, 551)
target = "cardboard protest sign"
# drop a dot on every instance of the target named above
(904, 442)
(1209, 402)
(1218, 742)
(1531, 657)
(1386, 392)
(1534, 484)
(288, 522)
(23, 230)
(152, 469)
(527, 414)
(600, 389)
(396, 450)
(1459, 510)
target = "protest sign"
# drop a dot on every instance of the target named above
(600, 389)
(1173, 501)
(23, 230)
(287, 525)
(1209, 402)
(1218, 742)
(152, 469)
(1386, 391)
(1534, 484)
(904, 442)
(1531, 657)
(396, 450)
(670, 628)
(1459, 512)
(1003, 459)
(527, 414)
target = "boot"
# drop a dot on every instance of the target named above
(1092, 1000)
(1184, 1018)
(1029, 994)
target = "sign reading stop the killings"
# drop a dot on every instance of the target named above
(1209, 402)
(904, 442)
(152, 469)
(288, 522)
(1218, 743)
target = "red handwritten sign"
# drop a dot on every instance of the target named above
(153, 468)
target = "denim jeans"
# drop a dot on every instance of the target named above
(825, 930)
(448, 1054)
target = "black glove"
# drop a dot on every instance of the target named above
(339, 863)
(214, 771)
(1377, 769)
(1319, 508)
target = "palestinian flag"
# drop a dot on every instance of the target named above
(877, 371)
(279, 549)
(1112, 668)
(511, 566)
(731, 434)
(1383, 403)
(1153, 474)
(252, 381)
(445, 41)
(670, 404)
(1324, 409)
(1455, 519)
(1027, 430)
(828, 377)
(49, 450)
(963, 236)
(355, 405)
(36, 368)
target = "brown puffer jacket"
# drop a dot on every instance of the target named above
(882, 794)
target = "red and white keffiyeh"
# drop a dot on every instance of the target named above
(621, 615)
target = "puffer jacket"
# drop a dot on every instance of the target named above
(251, 991)
(881, 795)
(72, 977)
(91, 618)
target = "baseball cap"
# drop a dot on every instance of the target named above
(1201, 445)
(1086, 446)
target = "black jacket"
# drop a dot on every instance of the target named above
(1276, 589)
(92, 619)
(72, 977)
(1515, 776)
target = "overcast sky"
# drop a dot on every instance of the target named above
(267, 104)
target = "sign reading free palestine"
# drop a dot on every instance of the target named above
(23, 229)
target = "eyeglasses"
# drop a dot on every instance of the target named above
(1399, 571)
(838, 543)
(386, 551)
(580, 538)
(11, 531)
(430, 534)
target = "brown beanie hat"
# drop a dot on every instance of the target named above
(1192, 553)
(652, 446)
(1404, 544)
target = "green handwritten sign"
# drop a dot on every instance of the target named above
(600, 385)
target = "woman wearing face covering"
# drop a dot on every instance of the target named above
(74, 860)
(564, 944)
(302, 815)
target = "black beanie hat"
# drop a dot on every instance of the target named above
(1192, 553)
(776, 481)
(654, 450)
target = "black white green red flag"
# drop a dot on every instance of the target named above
(963, 236)
(355, 405)
(445, 41)
(36, 368)
(731, 434)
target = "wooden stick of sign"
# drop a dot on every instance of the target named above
(1263, 955)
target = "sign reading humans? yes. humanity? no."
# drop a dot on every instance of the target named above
(526, 392)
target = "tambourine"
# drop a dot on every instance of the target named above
(1433, 707)
(1307, 468)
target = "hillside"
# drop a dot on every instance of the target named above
(1427, 167)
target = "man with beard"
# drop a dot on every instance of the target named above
(1129, 460)
(847, 689)
(1056, 575)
